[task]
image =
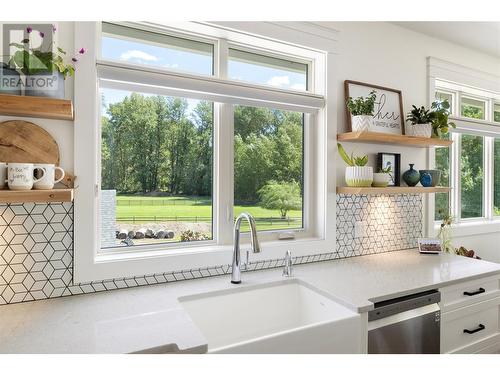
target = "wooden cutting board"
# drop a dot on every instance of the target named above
(25, 142)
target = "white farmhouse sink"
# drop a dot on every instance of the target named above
(286, 316)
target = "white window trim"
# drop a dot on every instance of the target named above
(471, 80)
(90, 265)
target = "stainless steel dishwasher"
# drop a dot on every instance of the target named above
(409, 324)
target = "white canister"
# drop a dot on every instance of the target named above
(3, 174)
(47, 180)
(20, 176)
(361, 123)
(419, 130)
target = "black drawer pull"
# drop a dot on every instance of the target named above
(470, 332)
(479, 291)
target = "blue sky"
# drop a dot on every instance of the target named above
(192, 62)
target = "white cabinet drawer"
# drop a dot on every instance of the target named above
(469, 292)
(464, 327)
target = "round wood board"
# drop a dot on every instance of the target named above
(25, 142)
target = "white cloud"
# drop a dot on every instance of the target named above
(139, 55)
(279, 81)
(298, 86)
(172, 66)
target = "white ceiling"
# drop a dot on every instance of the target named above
(480, 36)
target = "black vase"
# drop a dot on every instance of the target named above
(411, 176)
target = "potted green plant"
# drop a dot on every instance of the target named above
(420, 122)
(44, 70)
(357, 174)
(440, 124)
(361, 110)
(382, 177)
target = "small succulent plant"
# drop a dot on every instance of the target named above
(352, 161)
(387, 169)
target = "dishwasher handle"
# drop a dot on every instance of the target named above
(407, 315)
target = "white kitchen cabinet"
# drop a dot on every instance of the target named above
(470, 316)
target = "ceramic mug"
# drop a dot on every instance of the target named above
(47, 180)
(3, 174)
(20, 175)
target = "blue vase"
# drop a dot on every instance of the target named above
(411, 176)
(426, 180)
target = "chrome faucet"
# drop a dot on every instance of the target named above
(287, 269)
(236, 273)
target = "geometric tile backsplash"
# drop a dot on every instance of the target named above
(36, 245)
(391, 222)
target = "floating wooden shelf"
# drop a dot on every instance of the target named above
(21, 196)
(391, 190)
(404, 140)
(32, 106)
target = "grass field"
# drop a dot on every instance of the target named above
(139, 209)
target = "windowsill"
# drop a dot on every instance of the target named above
(266, 246)
(158, 261)
(476, 227)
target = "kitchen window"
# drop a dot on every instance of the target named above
(156, 169)
(194, 129)
(496, 112)
(471, 165)
(442, 200)
(268, 167)
(142, 47)
(272, 71)
(471, 176)
(473, 108)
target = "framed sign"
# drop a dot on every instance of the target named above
(386, 160)
(388, 113)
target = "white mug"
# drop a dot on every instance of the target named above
(3, 174)
(20, 176)
(47, 179)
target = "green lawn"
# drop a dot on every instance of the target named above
(191, 209)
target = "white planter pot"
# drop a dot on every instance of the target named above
(359, 176)
(361, 123)
(419, 130)
(381, 179)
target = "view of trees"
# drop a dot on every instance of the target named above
(157, 143)
(281, 196)
(471, 161)
(149, 143)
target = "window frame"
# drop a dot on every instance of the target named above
(318, 234)
(442, 77)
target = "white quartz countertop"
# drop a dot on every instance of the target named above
(150, 318)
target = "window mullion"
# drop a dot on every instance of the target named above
(224, 173)
(455, 176)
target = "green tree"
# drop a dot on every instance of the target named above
(282, 196)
